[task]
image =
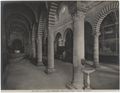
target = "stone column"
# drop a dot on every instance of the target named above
(96, 49)
(34, 41)
(50, 67)
(78, 50)
(39, 49)
(39, 46)
(30, 44)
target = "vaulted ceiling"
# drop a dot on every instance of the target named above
(21, 14)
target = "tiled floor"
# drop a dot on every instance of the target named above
(21, 74)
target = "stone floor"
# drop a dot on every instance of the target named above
(22, 74)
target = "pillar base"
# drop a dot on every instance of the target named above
(49, 70)
(87, 88)
(74, 86)
(96, 65)
(40, 64)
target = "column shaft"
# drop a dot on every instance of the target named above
(34, 42)
(96, 49)
(33, 47)
(78, 50)
(78, 39)
(39, 49)
(50, 51)
(30, 45)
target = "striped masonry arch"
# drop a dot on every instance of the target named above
(41, 25)
(52, 13)
(103, 13)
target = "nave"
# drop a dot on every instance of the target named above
(23, 75)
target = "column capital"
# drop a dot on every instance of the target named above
(39, 35)
(82, 6)
(95, 33)
(78, 15)
(34, 27)
(51, 28)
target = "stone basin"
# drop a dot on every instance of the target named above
(88, 70)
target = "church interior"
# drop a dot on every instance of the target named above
(59, 45)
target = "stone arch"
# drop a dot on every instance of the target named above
(103, 13)
(58, 45)
(52, 13)
(58, 34)
(65, 32)
(19, 17)
(12, 8)
(109, 38)
(55, 8)
(68, 43)
(16, 46)
(113, 6)
(63, 12)
(41, 24)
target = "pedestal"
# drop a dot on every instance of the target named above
(87, 71)
(50, 70)
(77, 81)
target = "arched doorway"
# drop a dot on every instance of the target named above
(89, 41)
(109, 38)
(58, 46)
(17, 46)
(69, 46)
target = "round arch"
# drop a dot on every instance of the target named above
(68, 40)
(16, 46)
(18, 17)
(65, 33)
(12, 8)
(103, 13)
(54, 10)
(58, 46)
(16, 23)
(109, 38)
(113, 6)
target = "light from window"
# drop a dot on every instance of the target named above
(63, 9)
